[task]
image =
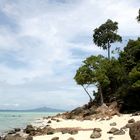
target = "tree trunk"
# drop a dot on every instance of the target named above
(108, 51)
(88, 94)
(101, 94)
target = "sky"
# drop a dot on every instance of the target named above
(43, 42)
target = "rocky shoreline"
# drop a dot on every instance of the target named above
(62, 124)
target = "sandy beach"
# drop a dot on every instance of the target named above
(84, 134)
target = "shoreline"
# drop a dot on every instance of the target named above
(50, 127)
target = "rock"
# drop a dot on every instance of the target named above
(29, 138)
(131, 121)
(136, 114)
(113, 130)
(97, 129)
(119, 132)
(55, 138)
(95, 135)
(128, 125)
(113, 124)
(29, 129)
(57, 120)
(88, 118)
(13, 137)
(70, 138)
(134, 131)
(17, 129)
(49, 121)
(77, 111)
(64, 131)
(12, 132)
(73, 132)
(50, 131)
(111, 138)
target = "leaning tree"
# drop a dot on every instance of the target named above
(106, 34)
(93, 72)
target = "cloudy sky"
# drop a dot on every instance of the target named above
(42, 43)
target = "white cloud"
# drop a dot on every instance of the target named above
(43, 57)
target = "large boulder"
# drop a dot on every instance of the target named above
(134, 131)
(95, 135)
(14, 137)
(29, 129)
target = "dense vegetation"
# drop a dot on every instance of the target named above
(117, 79)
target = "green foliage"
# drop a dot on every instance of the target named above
(83, 75)
(134, 77)
(117, 79)
(130, 57)
(106, 34)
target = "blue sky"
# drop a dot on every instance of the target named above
(42, 43)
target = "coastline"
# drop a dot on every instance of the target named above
(55, 128)
(18, 119)
(86, 127)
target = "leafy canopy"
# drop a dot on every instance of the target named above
(106, 34)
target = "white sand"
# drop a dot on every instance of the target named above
(85, 135)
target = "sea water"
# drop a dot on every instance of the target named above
(10, 120)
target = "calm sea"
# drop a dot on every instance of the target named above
(9, 120)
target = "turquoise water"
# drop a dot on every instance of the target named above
(9, 120)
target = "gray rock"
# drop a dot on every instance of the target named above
(97, 129)
(111, 138)
(50, 132)
(113, 124)
(131, 121)
(95, 135)
(73, 132)
(128, 125)
(113, 130)
(134, 131)
(17, 129)
(119, 132)
(13, 137)
(29, 129)
(49, 121)
(12, 132)
(29, 138)
(64, 131)
(70, 138)
(55, 138)
(136, 114)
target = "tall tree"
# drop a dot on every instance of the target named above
(138, 17)
(106, 34)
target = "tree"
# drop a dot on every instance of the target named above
(93, 72)
(138, 17)
(106, 34)
(83, 77)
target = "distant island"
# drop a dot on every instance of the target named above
(41, 109)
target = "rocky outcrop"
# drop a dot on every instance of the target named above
(134, 131)
(91, 111)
